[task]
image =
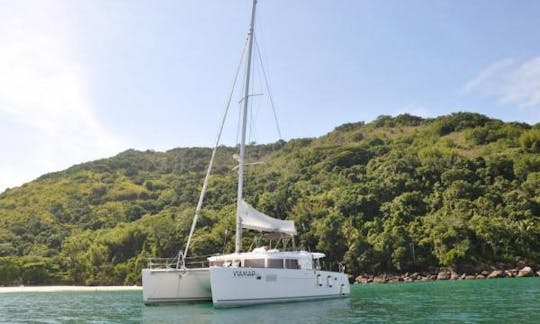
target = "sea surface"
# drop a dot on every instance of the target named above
(486, 301)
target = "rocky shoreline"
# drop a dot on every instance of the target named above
(449, 274)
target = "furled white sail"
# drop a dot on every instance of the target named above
(255, 220)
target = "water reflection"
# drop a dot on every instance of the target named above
(510, 300)
(298, 312)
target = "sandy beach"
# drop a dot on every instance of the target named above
(24, 289)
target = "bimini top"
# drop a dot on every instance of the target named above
(255, 220)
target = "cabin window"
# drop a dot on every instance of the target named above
(254, 263)
(291, 264)
(220, 263)
(275, 263)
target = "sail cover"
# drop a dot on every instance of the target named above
(255, 220)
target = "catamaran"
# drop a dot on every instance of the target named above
(267, 275)
(263, 275)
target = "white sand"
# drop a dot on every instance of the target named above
(23, 289)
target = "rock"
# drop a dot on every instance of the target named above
(470, 277)
(510, 273)
(361, 279)
(443, 275)
(379, 279)
(485, 273)
(394, 279)
(463, 276)
(454, 275)
(525, 272)
(432, 277)
(480, 276)
(496, 274)
(364, 279)
(538, 273)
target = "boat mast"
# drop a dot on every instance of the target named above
(238, 242)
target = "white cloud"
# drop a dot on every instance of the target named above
(46, 117)
(510, 82)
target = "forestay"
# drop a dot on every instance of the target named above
(255, 220)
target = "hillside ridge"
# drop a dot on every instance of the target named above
(394, 195)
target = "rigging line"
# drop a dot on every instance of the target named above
(268, 88)
(256, 106)
(211, 163)
(239, 123)
(250, 115)
(252, 136)
(236, 141)
(252, 108)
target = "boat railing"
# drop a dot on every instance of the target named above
(332, 266)
(173, 263)
(197, 262)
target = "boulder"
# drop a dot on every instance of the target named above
(443, 275)
(480, 276)
(511, 273)
(526, 272)
(496, 274)
(380, 279)
(454, 275)
(470, 277)
(394, 279)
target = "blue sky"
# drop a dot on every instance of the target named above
(82, 80)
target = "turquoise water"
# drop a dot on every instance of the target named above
(500, 300)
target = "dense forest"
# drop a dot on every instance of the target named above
(398, 194)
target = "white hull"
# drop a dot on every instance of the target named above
(247, 286)
(175, 285)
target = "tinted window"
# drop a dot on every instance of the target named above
(275, 263)
(254, 263)
(220, 263)
(291, 263)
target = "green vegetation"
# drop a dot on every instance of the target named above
(398, 194)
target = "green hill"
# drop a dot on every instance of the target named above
(398, 194)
